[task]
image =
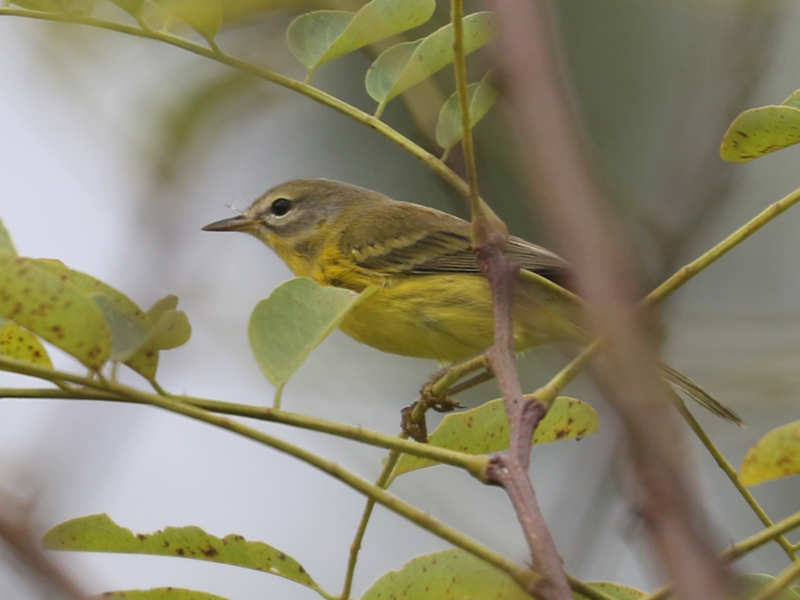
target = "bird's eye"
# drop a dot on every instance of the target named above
(281, 206)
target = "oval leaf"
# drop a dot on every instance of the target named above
(484, 429)
(482, 97)
(449, 575)
(759, 131)
(294, 320)
(407, 64)
(18, 343)
(127, 334)
(616, 591)
(47, 304)
(775, 455)
(317, 37)
(167, 328)
(98, 533)
(6, 245)
(164, 593)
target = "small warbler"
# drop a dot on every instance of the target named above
(432, 300)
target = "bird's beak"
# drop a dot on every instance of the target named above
(237, 223)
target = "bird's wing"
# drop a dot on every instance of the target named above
(433, 242)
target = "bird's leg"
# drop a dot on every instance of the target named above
(437, 393)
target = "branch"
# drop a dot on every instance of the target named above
(474, 464)
(629, 373)
(743, 547)
(434, 163)
(524, 577)
(730, 472)
(509, 469)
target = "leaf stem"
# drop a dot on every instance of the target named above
(743, 547)
(475, 464)
(435, 164)
(781, 582)
(730, 472)
(525, 577)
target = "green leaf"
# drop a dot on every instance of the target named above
(407, 64)
(762, 130)
(136, 336)
(18, 343)
(47, 304)
(205, 17)
(317, 37)
(6, 245)
(616, 591)
(775, 455)
(484, 429)
(749, 585)
(482, 97)
(164, 593)
(294, 320)
(449, 575)
(98, 533)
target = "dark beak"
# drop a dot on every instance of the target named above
(237, 223)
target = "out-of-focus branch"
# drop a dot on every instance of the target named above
(603, 273)
(21, 540)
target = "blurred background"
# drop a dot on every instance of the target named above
(117, 150)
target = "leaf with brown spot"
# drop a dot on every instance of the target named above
(98, 533)
(759, 131)
(775, 455)
(484, 429)
(449, 575)
(162, 593)
(21, 344)
(51, 307)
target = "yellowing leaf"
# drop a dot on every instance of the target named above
(775, 455)
(484, 429)
(285, 327)
(98, 533)
(407, 64)
(482, 97)
(20, 344)
(164, 593)
(759, 131)
(449, 575)
(317, 37)
(47, 304)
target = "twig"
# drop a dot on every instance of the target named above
(557, 168)
(523, 576)
(439, 167)
(728, 469)
(743, 547)
(781, 582)
(475, 464)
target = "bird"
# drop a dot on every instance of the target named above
(431, 298)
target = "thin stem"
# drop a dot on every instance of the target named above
(460, 66)
(730, 472)
(439, 167)
(743, 547)
(781, 582)
(524, 577)
(355, 546)
(475, 464)
(680, 277)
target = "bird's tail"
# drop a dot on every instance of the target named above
(698, 394)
